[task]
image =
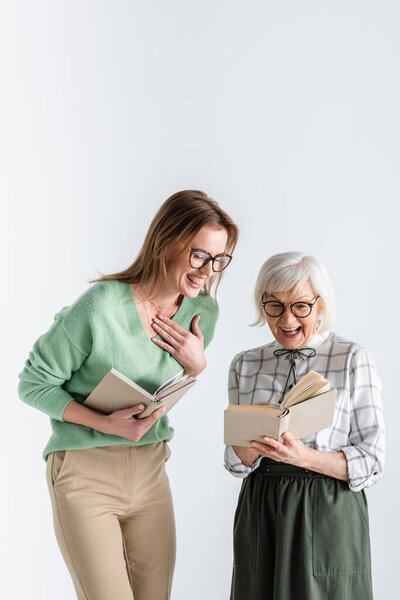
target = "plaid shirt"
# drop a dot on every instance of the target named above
(358, 430)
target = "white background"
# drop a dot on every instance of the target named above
(287, 113)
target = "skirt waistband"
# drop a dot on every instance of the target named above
(271, 468)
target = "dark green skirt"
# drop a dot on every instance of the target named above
(300, 535)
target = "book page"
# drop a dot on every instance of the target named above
(178, 377)
(169, 400)
(171, 389)
(305, 388)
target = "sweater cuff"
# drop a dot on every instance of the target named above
(52, 400)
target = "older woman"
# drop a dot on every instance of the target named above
(301, 525)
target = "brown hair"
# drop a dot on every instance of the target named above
(177, 221)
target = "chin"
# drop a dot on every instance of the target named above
(189, 290)
(190, 293)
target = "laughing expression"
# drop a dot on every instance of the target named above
(186, 280)
(288, 330)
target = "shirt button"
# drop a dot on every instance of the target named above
(375, 473)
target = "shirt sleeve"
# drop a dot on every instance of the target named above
(232, 462)
(52, 361)
(365, 452)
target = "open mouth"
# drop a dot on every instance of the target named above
(290, 332)
(196, 282)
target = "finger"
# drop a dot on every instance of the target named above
(260, 446)
(269, 452)
(263, 449)
(195, 326)
(126, 413)
(167, 332)
(164, 345)
(288, 437)
(151, 419)
(274, 443)
(178, 328)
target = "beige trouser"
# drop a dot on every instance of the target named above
(114, 520)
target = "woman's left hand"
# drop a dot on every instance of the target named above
(186, 347)
(291, 451)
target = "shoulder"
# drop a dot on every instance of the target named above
(253, 356)
(356, 353)
(96, 299)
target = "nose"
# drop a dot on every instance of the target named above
(207, 269)
(287, 318)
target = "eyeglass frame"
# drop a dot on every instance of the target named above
(212, 258)
(283, 304)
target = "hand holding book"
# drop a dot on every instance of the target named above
(308, 408)
(120, 422)
(116, 391)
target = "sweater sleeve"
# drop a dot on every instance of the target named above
(52, 361)
(232, 462)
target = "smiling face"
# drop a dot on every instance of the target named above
(288, 330)
(184, 279)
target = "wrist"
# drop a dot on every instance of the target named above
(307, 460)
(196, 371)
(104, 424)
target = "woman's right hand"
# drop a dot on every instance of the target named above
(119, 422)
(123, 423)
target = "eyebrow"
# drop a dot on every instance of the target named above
(299, 298)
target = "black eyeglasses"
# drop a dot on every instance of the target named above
(200, 258)
(274, 308)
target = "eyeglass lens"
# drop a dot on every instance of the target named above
(198, 259)
(299, 309)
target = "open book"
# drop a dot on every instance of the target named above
(116, 391)
(308, 407)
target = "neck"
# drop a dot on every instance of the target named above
(164, 299)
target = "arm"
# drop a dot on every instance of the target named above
(365, 451)
(53, 360)
(294, 452)
(120, 422)
(246, 455)
(238, 460)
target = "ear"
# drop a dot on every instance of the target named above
(320, 312)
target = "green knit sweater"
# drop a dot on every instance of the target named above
(102, 329)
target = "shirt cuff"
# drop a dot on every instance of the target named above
(363, 471)
(234, 465)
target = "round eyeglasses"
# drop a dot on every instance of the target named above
(200, 258)
(274, 308)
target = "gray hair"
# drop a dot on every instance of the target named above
(287, 270)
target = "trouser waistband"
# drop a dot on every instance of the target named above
(271, 468)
